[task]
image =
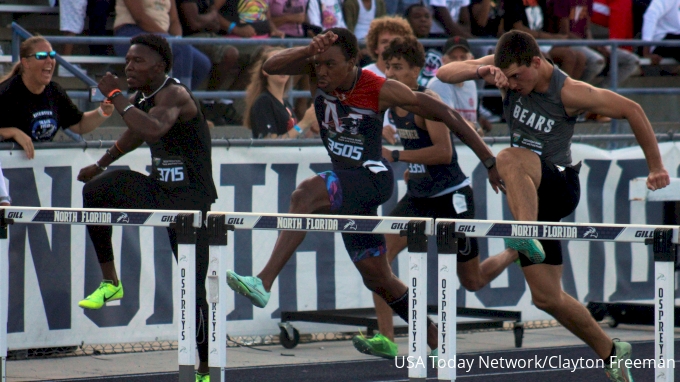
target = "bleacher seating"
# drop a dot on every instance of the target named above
(38, 17)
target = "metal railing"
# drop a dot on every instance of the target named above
(19, 33)
(249, 142)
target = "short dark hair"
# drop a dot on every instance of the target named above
(347, 41)
(408, 48)
(410, 8)
(516, 47)
(158, 44)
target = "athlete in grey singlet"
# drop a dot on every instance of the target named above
(540, 103)
(539, 122)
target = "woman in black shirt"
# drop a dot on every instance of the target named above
(268, 112)
(33, 107)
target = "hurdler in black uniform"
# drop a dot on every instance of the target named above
(432, 190)
(181, 166)
(181, 179)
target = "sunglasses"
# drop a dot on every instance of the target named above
(43, 55)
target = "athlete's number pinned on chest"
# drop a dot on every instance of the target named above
(171, 171)
(173, 174)
(346, 150)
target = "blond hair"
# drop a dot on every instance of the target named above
(393, 24)
(258, 81)
(25, 49)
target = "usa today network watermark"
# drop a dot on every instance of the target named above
(536, 362)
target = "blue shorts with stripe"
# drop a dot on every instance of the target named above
(359, 192)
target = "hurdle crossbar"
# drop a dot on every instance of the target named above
(633, 233)
(184, 223)
(665, 247)
(322, 223)
(220, 222)
(96, 216)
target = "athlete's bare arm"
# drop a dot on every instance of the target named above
(172, 103)
(294, 61)
(441, 150)
(394, 93)
(579, 97)
(460, 71)
(92, 119)
(127, 142)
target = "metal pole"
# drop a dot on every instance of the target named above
(4, 292)
(665, 253)
(614, 74)
(186, 295)
(447, 249)
(216, 288)
(4, 301)
(417, 302)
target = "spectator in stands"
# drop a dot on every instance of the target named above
(486, 21)
(572, 17)
(326, 14)
(420, 19)
(34, 107)
(461, 97)
(134, 17)
(247, 18)
(71, 23)
(199, 18)
(72, 15)
(661, 22)
(619, 10)
(98, 12)
(269, 114)
(452, 17)
(381, 32)
(639, 7)
(289, 16)
(360, 13)
(527, 16)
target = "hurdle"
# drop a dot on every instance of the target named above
(219, 223)
(185, 224)
(665, 246)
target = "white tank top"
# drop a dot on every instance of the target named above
(364, 20)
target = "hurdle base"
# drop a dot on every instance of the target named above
(626, 313)
(486, 319)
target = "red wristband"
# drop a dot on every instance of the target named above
(113, 92)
